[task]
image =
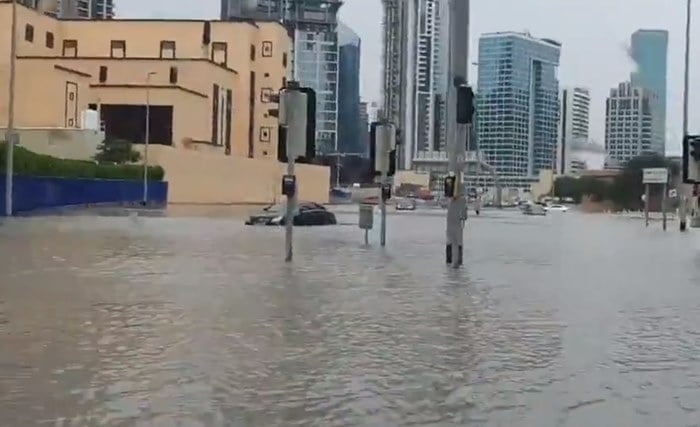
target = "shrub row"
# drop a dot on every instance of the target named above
(32, 164)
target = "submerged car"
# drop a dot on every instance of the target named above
(556, 208)
(534, 209)
(406, 204)
(306, 214)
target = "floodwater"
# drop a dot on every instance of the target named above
(567, 320)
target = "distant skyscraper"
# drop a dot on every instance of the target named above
(518, 103)
(650, 53)
(630, 126)
(348, 91)
(428, 89)
(74, 9)
(364, 128)
(575, 113)
(315, 59)
(416, 35)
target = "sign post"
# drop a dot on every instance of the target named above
(366, 220)
(383, 151)
(655, 176)
(293, 117)
(664, 202)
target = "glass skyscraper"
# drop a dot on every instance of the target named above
(649, 51)
(315, 52)
(518, 103)
(349, 92)
(74, 9)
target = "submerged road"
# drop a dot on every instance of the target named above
(567, 320)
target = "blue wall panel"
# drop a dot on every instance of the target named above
(33, 193)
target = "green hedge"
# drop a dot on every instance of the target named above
(32, 164)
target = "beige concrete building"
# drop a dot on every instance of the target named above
(208, 83)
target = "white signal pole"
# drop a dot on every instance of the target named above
(10, 136)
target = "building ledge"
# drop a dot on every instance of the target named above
(128, 58)
(144, 86)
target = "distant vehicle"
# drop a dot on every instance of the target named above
(556, 208)
(569, 200)
(306, 214)
(372, 200)
(534, 209)
(406, 205)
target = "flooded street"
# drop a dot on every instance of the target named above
(565, 320)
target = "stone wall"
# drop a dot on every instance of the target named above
(198, 177)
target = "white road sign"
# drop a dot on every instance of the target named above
(656, 176)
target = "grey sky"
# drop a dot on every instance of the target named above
(595, 35)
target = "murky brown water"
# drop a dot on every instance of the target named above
(569, 320)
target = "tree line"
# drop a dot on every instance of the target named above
(624, 190)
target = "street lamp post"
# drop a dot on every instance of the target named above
(686, 89)
(148, 136)
(10, 132)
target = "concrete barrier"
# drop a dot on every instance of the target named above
(38, 193)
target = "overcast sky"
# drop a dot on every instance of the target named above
(595, 35)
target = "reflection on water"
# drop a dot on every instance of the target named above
(565, 320)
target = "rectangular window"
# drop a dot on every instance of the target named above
(70, 48)
(173, 75)
(29, 33)
(284, 59)
(267, 49)
(219, 53)
(229, 117)
(118, 49)
(265, 95)
(251, 116)
(252, 52)
(167, 49)
(49, 40)
(215, 116)
(103, 74)
(265, 134)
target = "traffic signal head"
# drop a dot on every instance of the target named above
(450, 186)
(382, 148)
(691, 159)
(297, 123)
(465, 105)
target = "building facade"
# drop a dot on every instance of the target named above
(209, 81)
(631, 128)
(649, 50)
(518, 103)
(315, 52)
(74, 9)
(207, 84)
(416, 61)
(575, 123)
(349, 92)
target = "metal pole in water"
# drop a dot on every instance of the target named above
(382, 205)
(10, 133)
(148, 137)
(683, 213)
(289, 217)
(646, 204)
(686, 89)
(663, 206)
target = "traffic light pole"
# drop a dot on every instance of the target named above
(457, 132)
(10, 134)
(296, 119)
(383, 152)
